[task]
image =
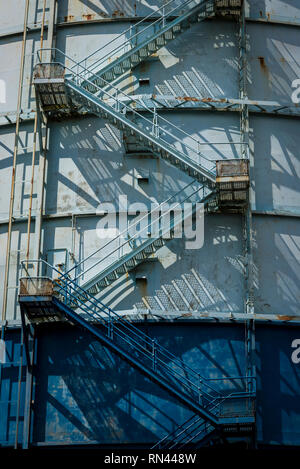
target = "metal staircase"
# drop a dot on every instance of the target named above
(86, 86)
(191, 433)
(126, 251)
(43, 300)
(143, 39)
(151, 130)
(58, 89)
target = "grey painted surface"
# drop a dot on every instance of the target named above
(87, 165)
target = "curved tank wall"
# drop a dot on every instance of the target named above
(87, 165)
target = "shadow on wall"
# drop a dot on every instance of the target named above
(84, 392)
(89, 167)
(278, 409)
(110, 8)
(277, 261)
(187, 65)
(211, 278)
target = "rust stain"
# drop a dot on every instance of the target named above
(117, 13)
(285, 318)
(144, 67)
(69, 18)
(263, 65)
(188, 98)
(193, 99)
(211, 100)
(88, 17)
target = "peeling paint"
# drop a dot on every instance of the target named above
(88, 17)
(69, 18)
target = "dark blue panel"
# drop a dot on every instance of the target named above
(278, 397)
(9, 393)
(84, 393)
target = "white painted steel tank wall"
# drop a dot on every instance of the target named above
(86, 163)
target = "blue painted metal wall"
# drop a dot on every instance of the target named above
(82, 392)
(85, 394)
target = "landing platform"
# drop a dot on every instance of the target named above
(35, 298)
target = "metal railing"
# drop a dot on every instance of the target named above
(156, 24)
(148, 350)
(163, 225)
(157, 126)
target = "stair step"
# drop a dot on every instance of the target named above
(194, 18)
(176, 29)
(160, 41)
(168, 35)
(134, 58)
(158, 242)
(140, 256)
(150, 249)
(152, 46)
(143, 52)
(118, 70)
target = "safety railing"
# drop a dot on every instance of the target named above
(158, 20)
(163, 220)
(170, 136)
(147, 349)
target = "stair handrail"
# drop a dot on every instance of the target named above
(183, 380)
(216, 402)
(132, 110)
(123, 45)
(66, 294)
(196, 386)
(122, 233)
(120, 320)
(164, 214)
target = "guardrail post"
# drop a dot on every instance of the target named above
(155, 127)
(199, 153)
(117, 101)
(154, 353)
(109, 324)
(199, 389)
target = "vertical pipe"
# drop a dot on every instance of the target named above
(28, 391)
(34, 147)
(247, 218)
(19, 389)
(12, 193)
(2, 339)
(43, 144)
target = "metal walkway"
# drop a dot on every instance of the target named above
(136, 243)
(144, 39)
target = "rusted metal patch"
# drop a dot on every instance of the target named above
(232, 169)
(50, 70)
(36, 286)
(286, 318)
(89, 17)
(69, 18)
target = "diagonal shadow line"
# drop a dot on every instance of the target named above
(66, 413)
